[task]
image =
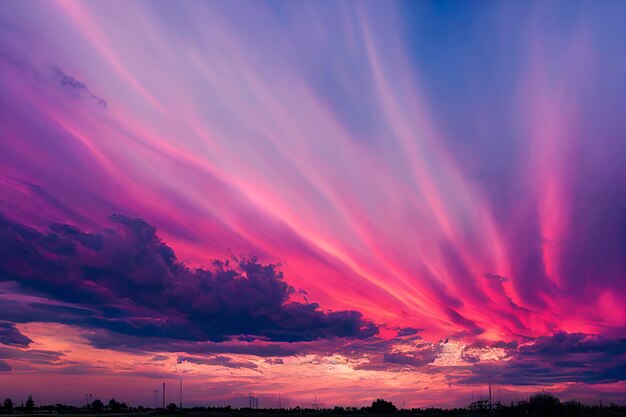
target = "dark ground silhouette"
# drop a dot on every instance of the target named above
(537, 405)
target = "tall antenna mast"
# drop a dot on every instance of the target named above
(164, 395)
(181, 393)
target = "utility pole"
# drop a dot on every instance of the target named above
(164, 395)
(181, 393)
(156, 398)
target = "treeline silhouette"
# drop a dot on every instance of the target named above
(537, 405)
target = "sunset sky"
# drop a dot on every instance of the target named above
(349, 200)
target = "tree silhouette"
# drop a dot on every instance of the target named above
(116, 406)
(8, 404)
(545, 404)
(172, 408)
(30, 404)
(97, 405)
(383, 407)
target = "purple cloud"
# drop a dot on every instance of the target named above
(407, 331)
(217, 361)
(36, 356)
(125, 279)
(562, 357)
(418, 359)
(9, 335)
(77, 88)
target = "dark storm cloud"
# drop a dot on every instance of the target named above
(110, 340)
(9, 335)
(126, 280)
(408, 331)
(218, 361)
(562, 357)
(562, 344)
(37, 356)
(419, 358)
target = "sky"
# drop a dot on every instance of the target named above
(333, 200)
